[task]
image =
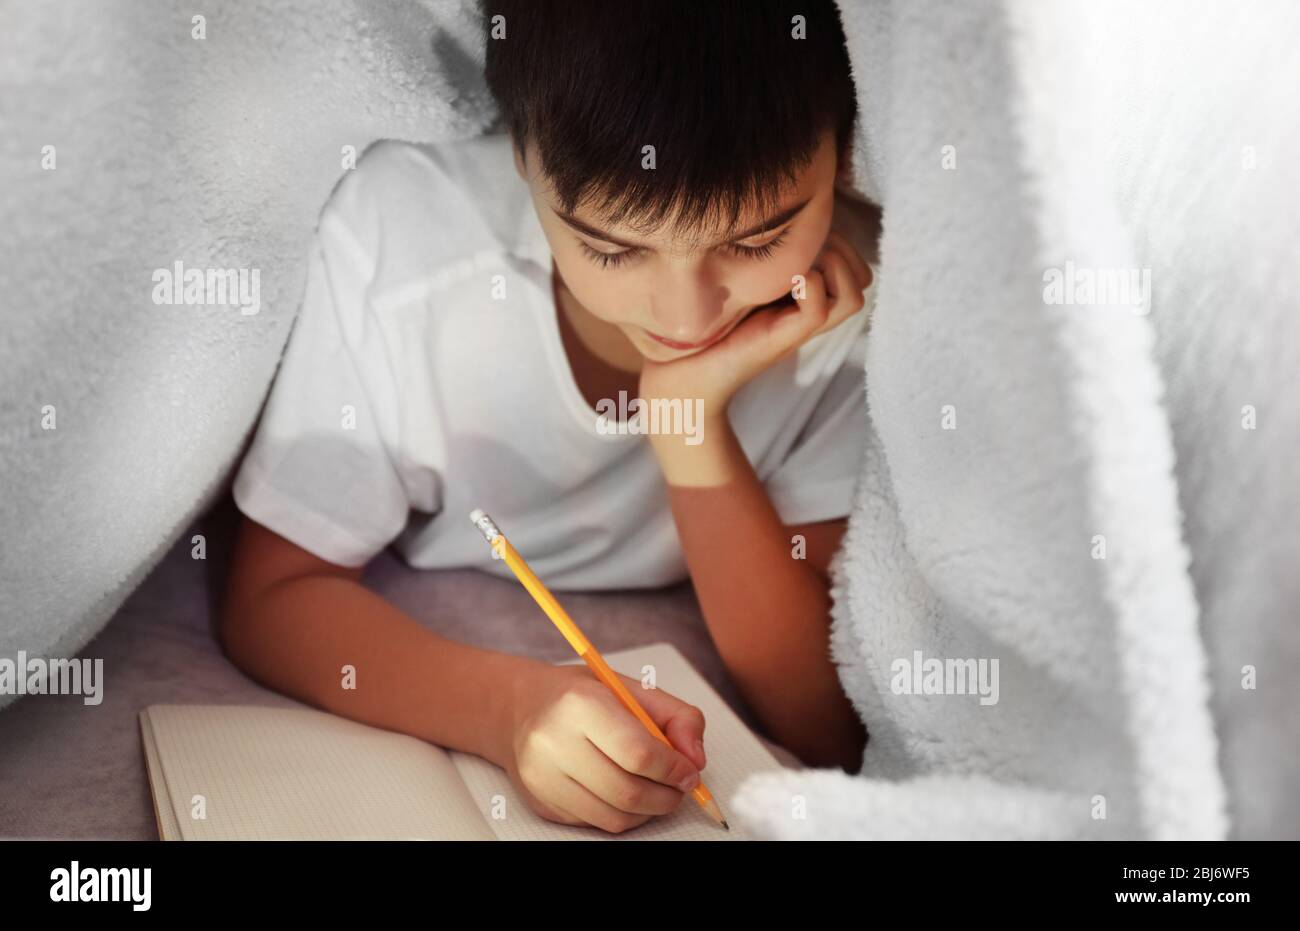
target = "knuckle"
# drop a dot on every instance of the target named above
(530, 774)
(629, 796)
(537, 747)
(574, 697)
(638, 757)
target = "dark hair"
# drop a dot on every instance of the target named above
(733, 103)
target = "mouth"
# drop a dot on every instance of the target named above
(674, 344)
(705, 343)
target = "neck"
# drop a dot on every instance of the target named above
(605, 342)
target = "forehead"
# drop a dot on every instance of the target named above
(592, 214)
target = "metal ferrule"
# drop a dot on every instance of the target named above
(484, 523)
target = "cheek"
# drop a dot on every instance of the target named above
(770, 280)
(580, 275)
(593, 287)
(596, 289)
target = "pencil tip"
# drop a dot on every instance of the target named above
(725, 825)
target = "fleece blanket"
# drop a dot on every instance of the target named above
(133, 137)
(1062, 504)
(1082, 489)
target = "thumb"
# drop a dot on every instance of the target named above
(681, 722)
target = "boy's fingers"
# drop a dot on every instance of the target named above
(552, 813)
(616, 786)
(635, 750)
(846, 297)
(861, 270)
(682, 723)
(815, 295)
(687, 735)
(811, 311)
(579, 801)
(776, 330)
(548, 811)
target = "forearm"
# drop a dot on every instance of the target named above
(298, 635)
(768, 613)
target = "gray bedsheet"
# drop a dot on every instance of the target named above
(68, 770)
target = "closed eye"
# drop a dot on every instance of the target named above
(607, 259)
(758, 252)
(615, 259)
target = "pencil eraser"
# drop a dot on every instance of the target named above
(476, 515)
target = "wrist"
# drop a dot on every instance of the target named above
(513, 682)
(709, 458)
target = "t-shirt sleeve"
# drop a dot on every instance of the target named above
(320, 471)
(817, 479)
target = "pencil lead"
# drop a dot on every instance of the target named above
(725, 825)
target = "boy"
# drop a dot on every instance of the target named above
(662, 220)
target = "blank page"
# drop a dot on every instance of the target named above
(303, 774)
(733, 752)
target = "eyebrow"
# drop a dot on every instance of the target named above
(769, 224)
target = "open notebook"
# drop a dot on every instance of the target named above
(298, 773)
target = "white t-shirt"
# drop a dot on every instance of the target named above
(410, 394)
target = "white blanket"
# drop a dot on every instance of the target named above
(1110, 136)
(1102, 135)
(215, 152)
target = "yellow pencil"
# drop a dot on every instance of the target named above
(581, 645)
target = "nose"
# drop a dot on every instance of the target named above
(688, 304)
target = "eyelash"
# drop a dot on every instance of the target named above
(759, 252)
(615, 259)
(606, 259)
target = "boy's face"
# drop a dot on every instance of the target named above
(674, 293)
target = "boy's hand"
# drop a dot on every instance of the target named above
(579, 757)
(834, 287)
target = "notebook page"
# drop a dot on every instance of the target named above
(733, 751)
(303, 774)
